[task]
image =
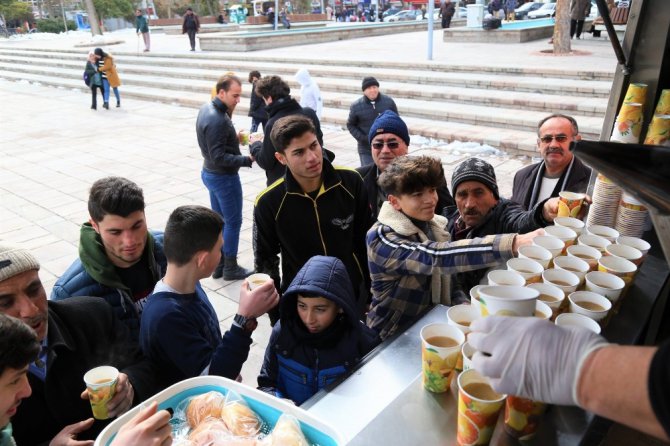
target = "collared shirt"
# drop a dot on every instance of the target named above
(39, 367)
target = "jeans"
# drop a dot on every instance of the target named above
(366, 158)
(225, 196)
(191, 38)
(579, 25)
(105, 91)
(94, 95)
(255, 123)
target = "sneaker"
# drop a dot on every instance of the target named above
(118, 105)
(105, 105)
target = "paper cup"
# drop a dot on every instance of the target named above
(467, 352)
(256, 280)
(605, 284)
(605, 232)
(478, 409)
(522, 417)
(586, 253)
(474, 297)
(462, 316)
(566, 235)
(625, 252)
(508, 301)
(569, 222)
(619, 267)
(550, 294)
(577, 320)
(663, 104)
(641, 245)
(101, 384)
(589, 304)
(501, 277)
(570, 204)
(529, 269)
(560, 278)
(636, 92)
(539, 254)
(594, 241)
(574, 265)
(542, 310)
(658, 132)
(552, 244)
(440, 348)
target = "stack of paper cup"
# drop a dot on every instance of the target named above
(663, 104)
(606, 197)
(658, 133)
(637, 92)
(628, 123)
(632, 217)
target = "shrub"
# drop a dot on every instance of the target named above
(54, 25)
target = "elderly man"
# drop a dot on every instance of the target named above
(75, 335)
(558, 171)
(389, 138)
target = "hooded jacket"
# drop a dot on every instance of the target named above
(92, 274)
(310, 95)
(298, 363)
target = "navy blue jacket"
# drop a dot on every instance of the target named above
(298, 363)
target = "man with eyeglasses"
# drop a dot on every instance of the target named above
(389, 138)
(558, 171)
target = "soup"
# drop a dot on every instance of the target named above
(463, 323)
(548, 298)
(442, 341)
(481, 391)
(591, 306)
(560, 283)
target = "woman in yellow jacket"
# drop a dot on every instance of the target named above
(110, 78)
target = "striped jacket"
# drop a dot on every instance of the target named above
(410, 272)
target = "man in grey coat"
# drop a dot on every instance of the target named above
(579, 9)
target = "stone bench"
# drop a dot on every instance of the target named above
(501, 35)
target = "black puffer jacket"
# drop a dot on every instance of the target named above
(362, 115)
(218, 140)
(264, 152)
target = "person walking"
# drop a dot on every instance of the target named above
(579, 9)
(190, 26)
(142, 26)
(310, 94)
(110, 78)
(93, 80)
(447, 10)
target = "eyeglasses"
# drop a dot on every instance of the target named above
(392, 145)
(546, 139)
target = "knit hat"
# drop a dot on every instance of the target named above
(389, 122)
(15, 260)
(474, 169)
(369, 82)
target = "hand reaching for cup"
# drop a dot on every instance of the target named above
(256, 302)
(525, 240)
(255, 137)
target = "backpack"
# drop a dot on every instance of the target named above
(87, 79)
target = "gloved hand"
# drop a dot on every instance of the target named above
(532, 358)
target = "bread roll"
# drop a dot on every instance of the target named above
(203, 406)
(241, 420)
(210, 431)
(287, 432)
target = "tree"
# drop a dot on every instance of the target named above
(12, 10)
(562, 27)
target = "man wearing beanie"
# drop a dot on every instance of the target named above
(363, 113)
(389, 139)
(480, 211)
(75, 336)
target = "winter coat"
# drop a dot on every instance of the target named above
(447, 9)
(91, 71)
(310, 95)
(579, 9)
(256, 106)
(411, 271)
(362, 115)
(510, 6)
(191, 23)
(108, 68)
(298, 363)
(141, 24)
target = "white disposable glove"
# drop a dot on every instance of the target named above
(532, 358)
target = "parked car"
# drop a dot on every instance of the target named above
(403, 16)
(547, 10)
(522, 11)
(389, 12)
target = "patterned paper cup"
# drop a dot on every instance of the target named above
(605, 284)
(619, 267)
(501, 277)
(478, 409)
(440, 349)
(570, 204)
(101, 385)
(539, 254)
(529, 269)
(658, 133)
(636, 92)
(569, 222)
(663, 104)
(474, 297)
(628, 123)
(586, 253)
(577, 320)
(522, 417)
(508, 301)
(466, 353)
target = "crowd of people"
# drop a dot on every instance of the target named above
(353, 256)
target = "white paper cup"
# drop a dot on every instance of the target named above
(605, 284)
(579, 299)
(474, 297)
(462, 316)
(542, 310)
(539, 254)
(625, 252)
(641, 245)
(257, 279)
(552, 244)
(577, 320)
(467, 352)
(529, 269)
(605, 232)
(566, 235)
(587, 253)
(574, 265)
(594, 241)
(501, 277)
(550, 294)
(560, 278)
(619, 267)
(508, 301)
(570, 222)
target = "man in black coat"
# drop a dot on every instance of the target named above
(256, 105)
(558, 171)
(277, 96)
(363, 113)
(76, 335)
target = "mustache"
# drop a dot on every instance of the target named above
(36, 319)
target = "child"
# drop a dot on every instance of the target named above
(179, 329)
(319, 337)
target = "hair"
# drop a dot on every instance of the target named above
(100, 52)
(18, 344)
(289, 127)
(189, 230)
(409, 174)
(253, 74)
(116, 196)
(226, 81)
(272, 87)
(573, 123)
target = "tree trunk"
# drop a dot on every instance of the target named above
(93, 18)
(562, 27)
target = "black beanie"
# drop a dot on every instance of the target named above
(369, 82)
(475, 169)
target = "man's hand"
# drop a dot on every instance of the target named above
(123, 397)
(525, 240)
(68, 436)
(148, 428)
(255, 137)
(550, 209)
(259, 301)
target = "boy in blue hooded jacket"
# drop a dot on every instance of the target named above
(319, 337)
